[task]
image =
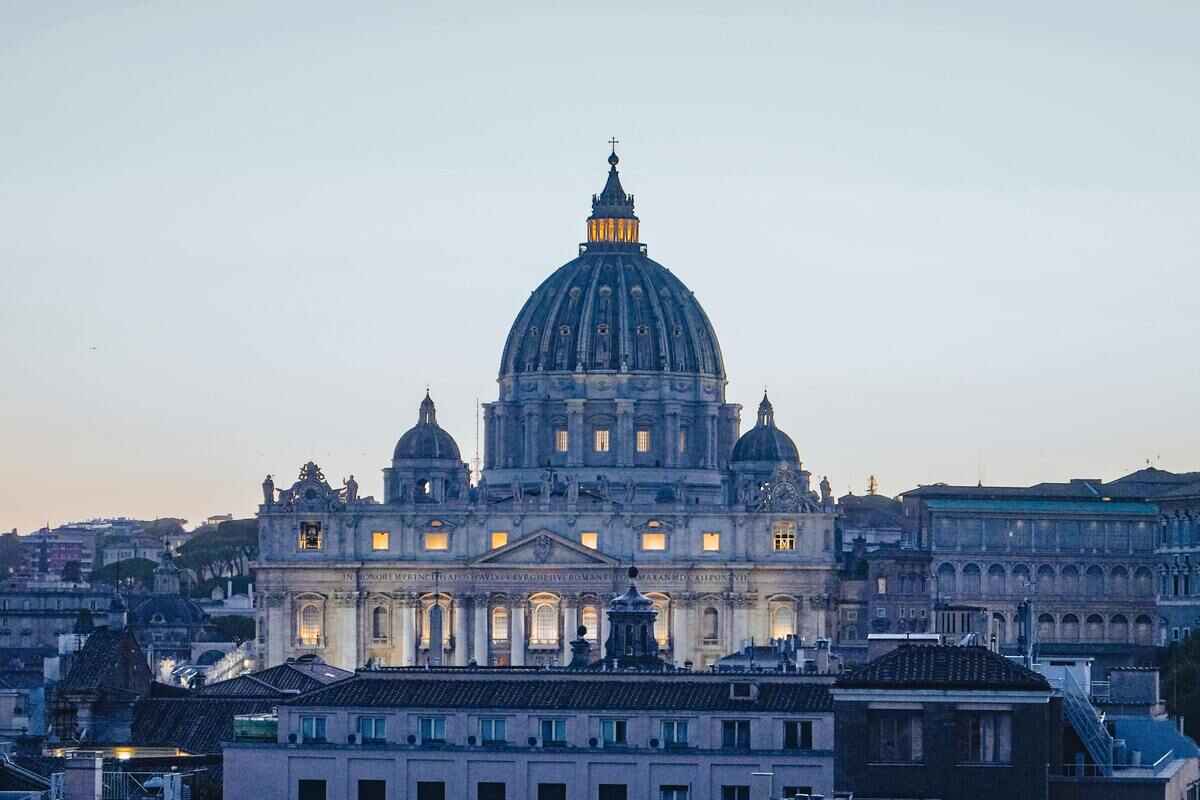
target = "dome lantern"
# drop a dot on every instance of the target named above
(612, 222)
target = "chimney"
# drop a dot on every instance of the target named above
(84, 776)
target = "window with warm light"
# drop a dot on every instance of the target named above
(654, 541)
(437, 541)
(499, 539)
(499, 624)
(643, 441)
(380, 540)
(310, 536)
(310, 626)
(683, 440)
(590, 539)
(712, 542)
(601, 440)
(562, 440)
(784, 535)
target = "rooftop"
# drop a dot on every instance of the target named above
(942, 667)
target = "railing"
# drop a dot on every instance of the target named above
(1101, 691)
(133, 786)
(1087, 723)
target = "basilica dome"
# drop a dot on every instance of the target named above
(426, 439)
(764, 442)
(612, 308)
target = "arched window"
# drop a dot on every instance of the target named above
(1143, 582)
(1095, 628)
(545, 624)
(427, 617)
(1119, 581)
(1045, 579)
(1021, 583)
(1095, 581)
(971, 580)
(996, 580)
(711, 625)
(1143, 629)
(1070, 628)
(1046, 628)
(850, 633)
(1118, 629)
(946, 583)
(310, 626)
(590, 619)
(499, 624)
(662, 620)
(1069, 581)
(783, 622)
(379, 626)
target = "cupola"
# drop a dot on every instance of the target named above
(612, 221)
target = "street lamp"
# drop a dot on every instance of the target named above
(771, 775)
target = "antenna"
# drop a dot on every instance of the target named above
(475, 463)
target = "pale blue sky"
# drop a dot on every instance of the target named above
(236, 236)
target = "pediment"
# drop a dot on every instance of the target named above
(545, 547)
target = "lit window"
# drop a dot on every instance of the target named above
(783, 622)
(499, 624)
(499, 539)
(643, 441)
(433, 729)
(881, 585)
(785, 535)
(590, 539)
(590, 619)
(602, 440)
(310, 626)
(437, 541)
(683, 440)
(712, 542)
(545, 624)
(654, 541)
(380, 540)
(310, 536)
(562, 440)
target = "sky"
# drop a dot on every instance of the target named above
(957, 242)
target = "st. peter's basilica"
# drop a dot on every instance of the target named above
(611, 443)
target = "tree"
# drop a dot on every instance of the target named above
(235, 627)
(1181, 683)
(225, 550)
(130, 574)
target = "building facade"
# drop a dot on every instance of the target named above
(517, 735)
(611, 442)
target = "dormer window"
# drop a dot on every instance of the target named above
(742, 690)
(158, 619)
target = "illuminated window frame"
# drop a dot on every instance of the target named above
(784, 536)
(311, 536)
(562, 440)
(601, 440)
(643, 440)
(381, 540)
(498, 539)
(436, 541)
(590, 540)
(654, 541)
(710, 542)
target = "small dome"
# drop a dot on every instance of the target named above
(765, 442)
(632, 600)
(426, 440)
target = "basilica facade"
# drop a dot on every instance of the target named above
(610, 443)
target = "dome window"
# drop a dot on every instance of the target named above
(602, 330)
(574, 293)
(605, 291)
(677, 330)
(643, 441)
(158, 619)
(643, 330)
(564, 330)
